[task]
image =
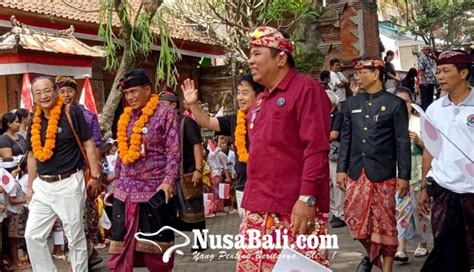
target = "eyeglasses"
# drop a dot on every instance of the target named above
(40, 93)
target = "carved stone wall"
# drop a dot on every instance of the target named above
(216, 89)
(348, 30)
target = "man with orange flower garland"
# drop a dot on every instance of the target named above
(287, 185)
(56, 186)
(230, 125)
(67, 88)
(149, 157)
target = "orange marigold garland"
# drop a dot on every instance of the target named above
(240, 142)
(127, 154)
(44, 153)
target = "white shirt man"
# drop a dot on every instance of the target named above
(457, 123)
(450, 178)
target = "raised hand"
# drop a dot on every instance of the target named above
(190, 92)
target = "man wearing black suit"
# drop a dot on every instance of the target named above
(375, 146)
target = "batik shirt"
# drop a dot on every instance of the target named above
(138, 181)
(93, 124)
(427, 64)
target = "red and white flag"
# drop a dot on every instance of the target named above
(431, 137)
(26, 101)
(224, 190)
(8, 182)
(210, 145)
(87, 97)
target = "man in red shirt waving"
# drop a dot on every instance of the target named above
(287, 186)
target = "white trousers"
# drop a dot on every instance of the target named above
(64, 199)
(239, 195)
(337, 196)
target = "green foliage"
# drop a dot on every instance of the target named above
(168, 54)
(136, 37)
(441, 19)
(107, 33)
(308, 61)
(280, 9)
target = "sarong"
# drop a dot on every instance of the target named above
(370, 215)
(452, 220)
(16, 225)
(125, 251)
(261, 259)
(412, 224)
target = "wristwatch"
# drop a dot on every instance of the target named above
(308, 200)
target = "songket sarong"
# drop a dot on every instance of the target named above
(130, 217)
(370, 215)
(262, 259)
(412, 224)
(452, 220)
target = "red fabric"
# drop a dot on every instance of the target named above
(261, 259)
(266, 36)
(87, 97)
(289, 144)
(45, 59)
(369, 212)
(26, 97)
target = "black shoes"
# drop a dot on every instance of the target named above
(365, 265)
(94, 261)
(337, 222)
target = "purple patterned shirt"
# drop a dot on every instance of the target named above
(138, 182)
(93, 123)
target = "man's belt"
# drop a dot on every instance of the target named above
(54, 178)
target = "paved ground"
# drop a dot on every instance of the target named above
(344, 259)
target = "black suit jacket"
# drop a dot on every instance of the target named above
(375, 137)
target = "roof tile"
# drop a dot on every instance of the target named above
(87, 11)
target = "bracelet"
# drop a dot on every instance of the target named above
(199, 170)
(423, 186)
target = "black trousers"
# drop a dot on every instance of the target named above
(427, 93)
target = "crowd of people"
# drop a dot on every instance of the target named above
(295, 152)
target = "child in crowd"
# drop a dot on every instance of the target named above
(17, 214)
(107, 159)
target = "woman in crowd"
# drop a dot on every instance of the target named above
(391, 79)
(412, 224)
(24, 119)
(11, 144)
(410, 82)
